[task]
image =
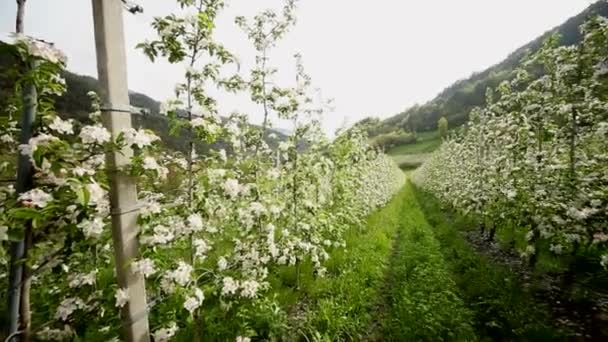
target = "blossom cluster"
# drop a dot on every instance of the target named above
(535, 159)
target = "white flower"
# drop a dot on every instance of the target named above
(61, 126)
(557, 249)
(81, 171)
(42, 50)
(232, 188)
(230, 286)
(167, 284)
(82, 279)
(92, 229)
(222, 154)
(122, 297)
(7, 138)
(283, 102)
(194, 302)
(139, 138)
(144, 267)
(67, 307)
(162, 235)
(39, 140)
(165, 334)
(275, 210)
(249, 288)
(257, 208)
(222, 264)
(150, 164)
(35, 197)
(94, 135)
(195, 221)
(233, 128)
(48, 334)
(97, 195)
(198, 122)
(243, 339)
(201, 248)
(191, 304)
(182, 275)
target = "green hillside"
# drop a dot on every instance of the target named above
(456, 101)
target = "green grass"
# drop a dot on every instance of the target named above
(427, 142)
(423, 299)
(411, 156)
(502, 310)
(406, 275)
(341, 304)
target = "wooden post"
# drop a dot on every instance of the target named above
(116, 116)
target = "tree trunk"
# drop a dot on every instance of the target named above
(25, 312)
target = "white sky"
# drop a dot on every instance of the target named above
(375, 58)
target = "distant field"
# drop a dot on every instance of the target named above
(427, 142)
(411, 156)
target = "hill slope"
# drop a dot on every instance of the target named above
(455, 101)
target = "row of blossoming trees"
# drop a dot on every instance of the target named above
(217, 227)
(535, 159)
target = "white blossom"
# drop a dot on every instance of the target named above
(48, 334)
(232, 188)
(94, 135)
(183, 274)
(81, 171)
(122, 297)
(194, 302)
(222, 264)
(144, 267)
(201, 248)
(62, 126)
(67, 307)
(249, 288)
(36, 197)
(195, 221)
(79, 280)
(139, 138)
(165, 334)
(92, 229)
(230, 286)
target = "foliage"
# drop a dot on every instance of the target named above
(216, 227)
(424, 304)
(535, 159)
(341, 305)
(442, 127)
(392, 139)
(501, 307)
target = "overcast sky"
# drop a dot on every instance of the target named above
(375, 58)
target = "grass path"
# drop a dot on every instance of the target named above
(409, 275)
(421, 299)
